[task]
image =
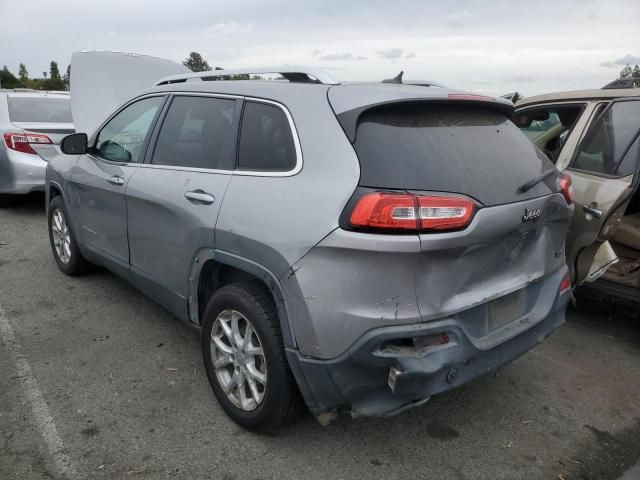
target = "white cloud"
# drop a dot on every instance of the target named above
(229, 28)
(390, 54)
(518, 78)
(627, 59)
(458, 20)
(410, 55)
(336, 56)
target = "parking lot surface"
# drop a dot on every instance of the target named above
(97, 381)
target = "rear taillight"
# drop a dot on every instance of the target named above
(565, 285)
(564, 184)
(21, 142)
(403, 211)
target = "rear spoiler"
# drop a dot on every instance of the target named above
(349, 119)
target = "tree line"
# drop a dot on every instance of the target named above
(51, 81)
(628, 72)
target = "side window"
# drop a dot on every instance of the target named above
(548, 127)
(534, 123)
(608, 148)
(122, 138)
(197, 133)
(266, 141)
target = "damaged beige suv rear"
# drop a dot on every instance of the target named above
(595, 136)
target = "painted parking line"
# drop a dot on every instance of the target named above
(42, 418)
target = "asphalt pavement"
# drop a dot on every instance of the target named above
(98, 381)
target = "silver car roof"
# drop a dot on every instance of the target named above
(593, 94)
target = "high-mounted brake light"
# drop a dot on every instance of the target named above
(20, 142)
(402, 211)
(564, 184)
(469, 96)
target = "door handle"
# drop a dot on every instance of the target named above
(591, 210)
(199, 196)
(116, 180)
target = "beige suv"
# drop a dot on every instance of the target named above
(595, 136)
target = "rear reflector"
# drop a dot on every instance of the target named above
(20, 142)
(403, 211)
(564, 184)
(566, 284)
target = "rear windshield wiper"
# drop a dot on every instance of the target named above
(536, 180)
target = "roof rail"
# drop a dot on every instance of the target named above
(299, 74)
(623, 83)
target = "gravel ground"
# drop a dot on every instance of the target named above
(97, 381)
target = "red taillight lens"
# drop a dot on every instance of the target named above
(400, 211)
(566, 284)
(564, 184)
(386, 210)
(20, 142)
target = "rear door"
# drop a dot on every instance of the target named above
(603, 170)
(174, 199)
(99, 178)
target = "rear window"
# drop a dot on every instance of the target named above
(39, 109)
(446, 148)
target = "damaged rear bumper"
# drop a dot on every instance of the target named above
(359, 381)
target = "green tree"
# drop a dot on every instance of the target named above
(636, 71)
(54, 73)
(23, 73)
(626, 72)
(67, 77)
(196, 63)
(54, 82)
(8, 79)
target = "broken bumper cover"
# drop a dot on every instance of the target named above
(358, 381)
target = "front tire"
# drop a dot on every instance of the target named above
(63, 242)
(245, 360)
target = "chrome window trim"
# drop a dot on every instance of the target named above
(296, 142)
(247, 173)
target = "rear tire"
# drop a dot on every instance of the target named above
(264, 407)
(63, 241)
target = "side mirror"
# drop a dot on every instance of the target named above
(74, 144)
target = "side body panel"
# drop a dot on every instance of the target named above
(99, 208)
(167, 230)
(275, 219)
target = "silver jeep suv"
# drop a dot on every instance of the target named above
(354, 247)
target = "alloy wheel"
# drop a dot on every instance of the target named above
(61, 236)
(238, 359)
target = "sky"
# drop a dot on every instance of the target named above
(491, 47)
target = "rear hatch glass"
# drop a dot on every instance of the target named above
(39, 109)
(463, 149)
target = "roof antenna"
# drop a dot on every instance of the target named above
(396, 79)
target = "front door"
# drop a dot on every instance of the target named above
(175, 196)
(99, 179)
(603, 170)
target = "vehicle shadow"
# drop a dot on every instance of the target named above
(29, 205)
